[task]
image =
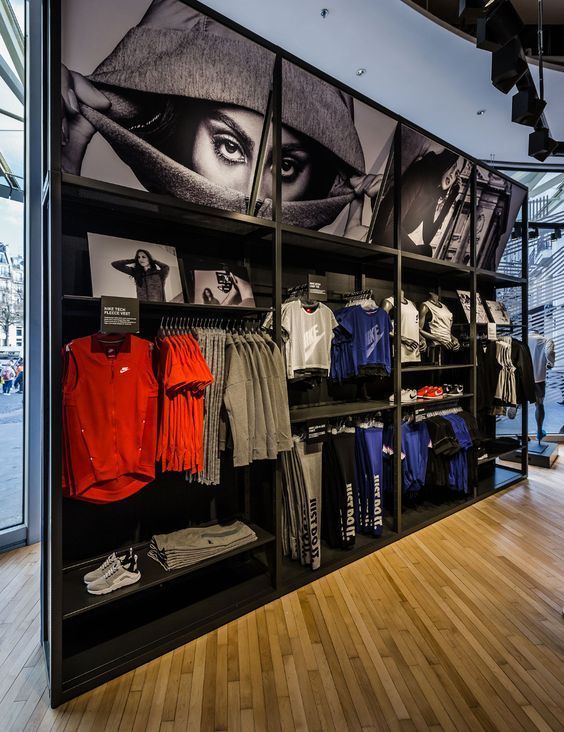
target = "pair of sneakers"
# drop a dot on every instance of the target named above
(118, 570)
(430, 392)
(453, 388)
(407, 396)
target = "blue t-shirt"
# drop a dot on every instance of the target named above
(366, 334)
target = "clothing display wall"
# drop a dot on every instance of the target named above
(242, 439)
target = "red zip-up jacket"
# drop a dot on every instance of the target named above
(110, 398)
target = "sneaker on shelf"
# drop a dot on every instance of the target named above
(407, 396)
(103, 568)
(448, 388)
(482, 454)
(458, 389)
(422, 392)
(115, 577)
(434, 392)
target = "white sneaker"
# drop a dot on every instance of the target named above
(112, 559)
(115, 577)
(407, 396)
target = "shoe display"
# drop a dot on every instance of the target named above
(103, 568)
(118, 575)
(407, 396)
(430, 392)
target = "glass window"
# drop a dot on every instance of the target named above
(546, 288)
(12, 81)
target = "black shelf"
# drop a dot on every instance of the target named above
(499, 279)
(437, 400)
(431, 367)
(76, 599)
(314, 240)
(95, 656)
(339, 409)
(493, 455)
(91, 195)
(178, 308)
(430, 265)
(501, 477)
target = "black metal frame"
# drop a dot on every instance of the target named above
(58, 190)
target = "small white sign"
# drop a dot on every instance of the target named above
(492, 331)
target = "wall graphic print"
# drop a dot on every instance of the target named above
(435, 201)
(160, 97)
(335, 156)
(130, 268)
(497, 206)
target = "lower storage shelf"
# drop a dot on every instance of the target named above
(116, 638)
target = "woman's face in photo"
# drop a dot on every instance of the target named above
(143, 259)
(222, 144)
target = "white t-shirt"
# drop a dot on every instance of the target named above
(409, 329)
(309, 334)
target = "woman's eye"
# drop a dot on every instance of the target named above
(289, 169)
(229, 149)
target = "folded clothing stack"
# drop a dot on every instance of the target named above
(189, 546)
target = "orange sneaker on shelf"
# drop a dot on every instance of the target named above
(422, 393)
(434, 392)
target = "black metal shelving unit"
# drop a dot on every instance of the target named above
(89, 640)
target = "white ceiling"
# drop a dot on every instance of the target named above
(415, 67)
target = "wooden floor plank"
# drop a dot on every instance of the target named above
(456, 627)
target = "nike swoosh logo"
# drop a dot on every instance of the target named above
(372, 346)
(312, 344)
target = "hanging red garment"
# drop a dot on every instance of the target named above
(184, 375)
(110, 398)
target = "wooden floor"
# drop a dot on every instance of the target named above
(457, 627)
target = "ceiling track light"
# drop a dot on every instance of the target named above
(498, 27)
(360, 72)
(527, 108)
(508, 65)
(470, 10)
(324, 12)
(541, 144)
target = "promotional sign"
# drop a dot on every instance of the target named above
(119, 314)
(317, 287)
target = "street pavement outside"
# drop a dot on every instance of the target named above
(11, 460)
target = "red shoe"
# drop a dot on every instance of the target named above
(422, 393)
(434, 392)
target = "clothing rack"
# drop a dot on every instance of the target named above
(296, 290)
(358, 295)
(419, 417)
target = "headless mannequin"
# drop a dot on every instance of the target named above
(542, 352)
(409, 344)
(435, 342)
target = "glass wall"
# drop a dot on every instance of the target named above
(546, 286)
(12, 83)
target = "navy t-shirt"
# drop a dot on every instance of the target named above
(369, 334)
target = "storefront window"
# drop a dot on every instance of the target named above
(546, 286)
(11, 260)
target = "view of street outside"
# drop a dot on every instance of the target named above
(12, 95)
